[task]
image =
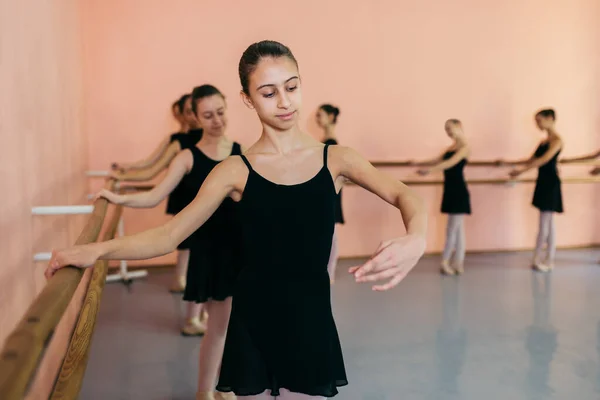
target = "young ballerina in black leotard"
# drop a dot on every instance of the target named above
(327, 119)
(282, 340)
(215, 246)
(183, 119)
(189, 134)
(547, 196)
(456, 201)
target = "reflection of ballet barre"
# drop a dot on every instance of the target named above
(496, 163)
(507, 182)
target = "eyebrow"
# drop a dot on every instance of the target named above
(272, 84)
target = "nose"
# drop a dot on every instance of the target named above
(219, 122)
(284, 101)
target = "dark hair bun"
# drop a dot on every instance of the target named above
(331, 110)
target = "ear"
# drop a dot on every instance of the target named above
(247, 100)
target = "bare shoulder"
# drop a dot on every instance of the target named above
(465, 148)
(184, 158)
(554, 143)
(340, 153)
(557, 140)
(342, 160)
(232, 171)
(174, 146)
(233, 165)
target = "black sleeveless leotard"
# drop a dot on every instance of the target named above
(339, 214)
(215, 246)
(186, 140)
(456, 199)
(281, 333)
(547, 195)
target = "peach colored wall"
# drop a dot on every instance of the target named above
(43, 149)
(397, 69)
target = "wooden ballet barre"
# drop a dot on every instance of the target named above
(415, 182)
(72, 371)
(24, 347)
(496, 163)
(496, 181)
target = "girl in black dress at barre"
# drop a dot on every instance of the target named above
(189, 134)
(215, 246)
(456, 200)
(547, 196)
(327, 119)
(282, 341)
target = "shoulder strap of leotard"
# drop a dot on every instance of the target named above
(236, 150)
(325, 155)
(246, 162)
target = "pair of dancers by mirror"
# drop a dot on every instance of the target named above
(547, 197)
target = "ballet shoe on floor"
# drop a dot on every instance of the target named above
(445, 269)
(459, 269)
(193, 327)
(540, 267)
(225, 396)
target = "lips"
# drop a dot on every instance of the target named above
(287, 116)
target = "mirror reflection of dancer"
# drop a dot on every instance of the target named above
(547, 196)
(327, 119)
(215, 246)
(451, 342)
(189, 135)
(541, 339)
(456, 200)
(282, 341)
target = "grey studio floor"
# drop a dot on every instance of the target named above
(501, 331)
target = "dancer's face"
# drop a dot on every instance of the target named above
(188, 114)
(323, 119)
(543, 123)
(453, 130)
(274, 92)
(177, 114)
(212, 115)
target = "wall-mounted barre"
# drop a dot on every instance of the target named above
(384, 164)
(507, 182)
(502, 182)
(480, 163)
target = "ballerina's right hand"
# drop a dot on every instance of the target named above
(392, 261)
(122, 168)
(77, 256)
(108, 195)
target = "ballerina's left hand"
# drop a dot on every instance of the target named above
(514, 173)
(393, 260)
